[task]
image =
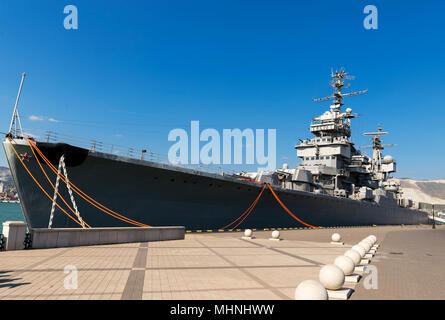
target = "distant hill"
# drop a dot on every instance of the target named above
(429, 191)
(5, 174)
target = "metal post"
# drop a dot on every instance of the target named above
(142, 154)
(434, 220)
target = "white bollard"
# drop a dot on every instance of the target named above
(354, 255)
(248, 234)
(336, 239)
(345, 263)
(311, 290)
(365, 245)
(331, 277)
(360, 249)
(275, 235)
(369, 240)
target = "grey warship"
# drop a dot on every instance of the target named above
(334, 185)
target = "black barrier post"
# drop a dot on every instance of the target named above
(434, 220)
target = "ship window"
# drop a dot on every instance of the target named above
(313, 158)
(316, 158)
(324, 140)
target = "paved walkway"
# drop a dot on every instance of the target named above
(203, 266)
(199, 267)
(410, 266)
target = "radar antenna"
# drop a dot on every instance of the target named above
(338, 82)
(377, 146)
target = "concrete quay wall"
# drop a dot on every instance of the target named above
(71, 237)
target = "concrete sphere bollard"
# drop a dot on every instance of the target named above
(336, 237)
(373, 237)
(365, 245)
(311, 290)
(360, 249)
(276, 234)
(371, 240)
(345, 263)
(332, 277)
(248, 233)
(354, 255)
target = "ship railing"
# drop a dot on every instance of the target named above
(125, 151)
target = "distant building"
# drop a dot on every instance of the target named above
(2, 187)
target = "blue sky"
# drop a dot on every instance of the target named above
(134, 70)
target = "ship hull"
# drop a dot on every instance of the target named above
(161, 195)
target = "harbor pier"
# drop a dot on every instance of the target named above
(223, 266)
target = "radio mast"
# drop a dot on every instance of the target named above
(15, 121)
(338, 82)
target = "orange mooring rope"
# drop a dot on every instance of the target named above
(288, 211)
(44, 172)
(248, 211)
(84, 195)
(252, 206)
(41, 188)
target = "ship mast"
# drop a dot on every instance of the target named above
(15, 121)
(334, 122)
(376, 146)
(338, 82)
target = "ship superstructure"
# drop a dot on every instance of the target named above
(330, 162)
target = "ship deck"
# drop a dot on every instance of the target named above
(220, 266)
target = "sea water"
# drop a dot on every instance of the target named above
(10, 212)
